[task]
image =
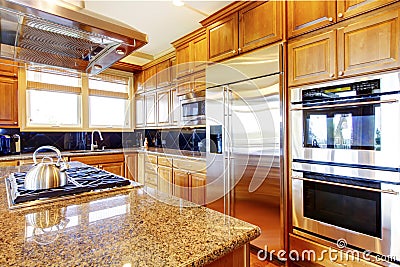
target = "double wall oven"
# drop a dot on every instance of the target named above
(346, 160)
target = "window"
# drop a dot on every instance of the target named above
(53, 98)
(109, 101)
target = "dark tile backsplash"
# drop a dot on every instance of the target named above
(185, 139)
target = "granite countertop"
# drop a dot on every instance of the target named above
(136, 226)
(77, 153)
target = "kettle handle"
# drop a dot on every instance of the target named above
(59, 158)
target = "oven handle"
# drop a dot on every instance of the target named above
(388, 191)
(388, 101)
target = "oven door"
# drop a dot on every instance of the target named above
(360, 131)
(361, 211)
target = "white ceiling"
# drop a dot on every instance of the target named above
(162, 21)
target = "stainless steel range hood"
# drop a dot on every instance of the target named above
(44, 33)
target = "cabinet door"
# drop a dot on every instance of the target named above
(349, 8)
(163, 74)
(184, 85)
(150, 106)
(150, 78)
(8, 68)
(198, 81)
(259, 24)
(183, 65)
(165, 179)
(131, 166)
(199, 53)
(173, 69)
(150, 175)
(140, 168)
(312, 59)
(163, 110)
(371, 44)
(181, 184)
(8, 101)
(198, 187)
(222, 38)
(116, 168)
(305, 16)
(139, 80)
(140, 111)
(175, 108)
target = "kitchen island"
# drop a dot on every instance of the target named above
(133, 227)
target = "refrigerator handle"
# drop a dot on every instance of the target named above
(225, 151)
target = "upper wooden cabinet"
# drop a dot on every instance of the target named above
(139, 82)
(150, 103)
(259, 24)
(191, 53)
(193, 83)
(163, 109)
(222, 38)
(150, 78)
(312, 59)
(163, 74)
(365, 44)
(8, 68)
(140, 112)
(8, 102)
(306, 16)
(369, 44)
(248, 26)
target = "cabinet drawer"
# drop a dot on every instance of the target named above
(190, 165)
(151, 179)
(93, 160)
(150, 167)
(151, 158)
(164, 161)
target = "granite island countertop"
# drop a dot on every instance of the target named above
(138, 226)
(151, 150)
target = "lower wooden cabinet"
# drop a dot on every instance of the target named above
(113, 163)
(198, 182)
(9, 163)
(165, 176)
(181, 184)
(131, 166)
(117, 168)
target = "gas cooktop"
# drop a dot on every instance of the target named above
(85, 179)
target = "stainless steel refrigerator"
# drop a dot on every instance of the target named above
(244, 141)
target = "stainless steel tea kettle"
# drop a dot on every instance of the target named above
(44, 175)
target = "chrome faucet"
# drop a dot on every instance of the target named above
(92, 145)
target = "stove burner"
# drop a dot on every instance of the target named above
(80, 180)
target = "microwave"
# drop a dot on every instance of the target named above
(193, 110)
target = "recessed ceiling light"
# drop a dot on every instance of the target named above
(178, 2)
(97, 67)
(120, 51)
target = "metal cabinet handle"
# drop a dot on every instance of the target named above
(341, 73)
(389, 101)
(388, 191)
(233, 51)
(340, 15)
(330, 19)
(239, 49)
(331, 75)
(15, 122)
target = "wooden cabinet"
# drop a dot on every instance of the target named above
(198, 183)
(163, 109)
(364, 45)
(349, 8)
(259, 24)
(9, 163)
(139, 82)
(253, 25)
(312, 59)
(175, 108)
(131, 166)
(173, 69)
(150, 175)
(369, 44)
(191, 53)
(192, 83)
(181, 184)
(117, 168)
(183, 60)
(113, 163)
(140, 168)
(140, 113)
(163, 74)
(8, 68)
(8, 102)
(305, 16)
(165, 179)
(222, 38)
(150, 78)
(150, 108)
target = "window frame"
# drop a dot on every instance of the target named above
(84, 108)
